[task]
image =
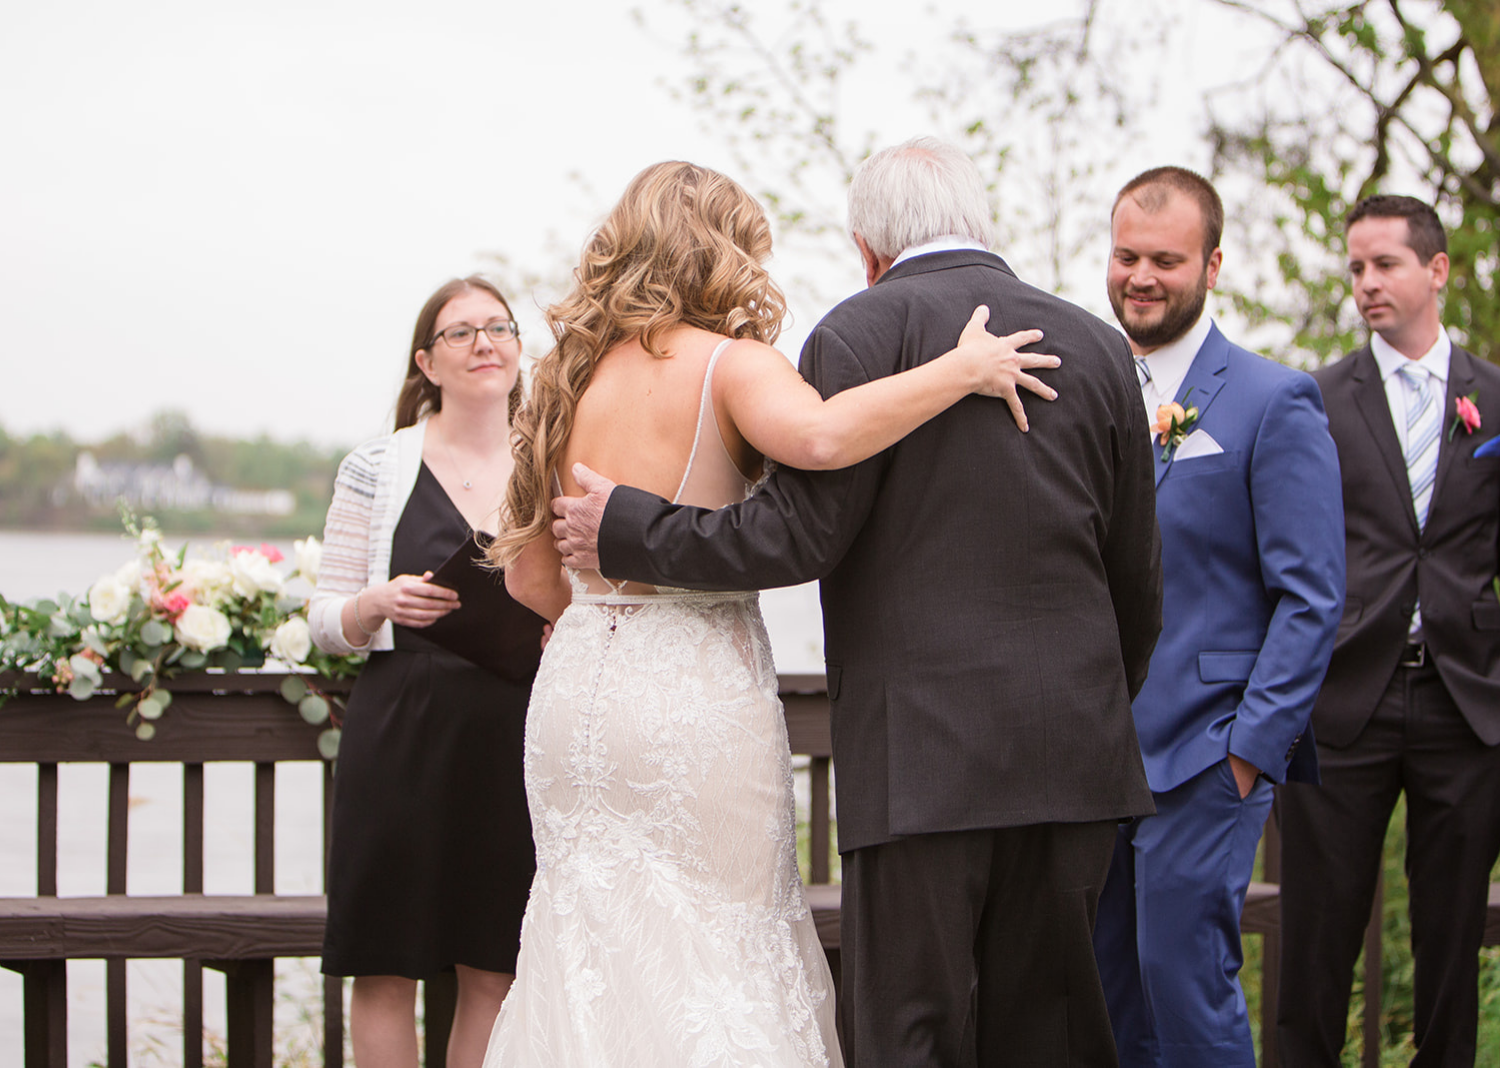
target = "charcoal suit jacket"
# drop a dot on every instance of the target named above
(990, 598)
(1450, 563)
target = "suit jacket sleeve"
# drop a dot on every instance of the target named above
(1132, 545)
(1297, 500)
(794, 529)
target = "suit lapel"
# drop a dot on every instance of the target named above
(1201, 384)
(1375, 407)
(1460, 383)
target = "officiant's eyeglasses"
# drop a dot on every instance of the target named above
(461, 335)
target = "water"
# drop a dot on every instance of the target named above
(44, 564)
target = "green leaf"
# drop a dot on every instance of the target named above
(328, 743)
(164, 697)
(82, 687)
(314, 709)
(228, 659)
(293, 688)
(84, 667)
(149, 708)
(124, 699)
(145, 732)
(155, 632)
(140, 669)
(192, 659)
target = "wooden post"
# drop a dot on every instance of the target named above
(114, 883)
(192, 883)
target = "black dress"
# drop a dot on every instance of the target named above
(430, 857)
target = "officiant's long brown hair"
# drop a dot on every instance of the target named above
(684, 245)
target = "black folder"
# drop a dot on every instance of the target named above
(489, 628)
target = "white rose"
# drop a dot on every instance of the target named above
(206, 581)
(109, 600)
(308, 554)
(252, 573)
(292, 641)
(129, 574)
(202, 628)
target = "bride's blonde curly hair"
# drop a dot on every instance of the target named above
(684, 246)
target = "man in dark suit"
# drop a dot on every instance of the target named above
(1412, 698)
(1247, 498)
(990, 601)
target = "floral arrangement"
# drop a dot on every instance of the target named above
(159, 614)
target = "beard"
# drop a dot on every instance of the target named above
(1179, 311)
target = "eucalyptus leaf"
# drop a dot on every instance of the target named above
(149, 708)
(139, 669)
(84, 668)
(80, 614)
(227, 659)
(145, 731)
(124, 699)
(314, 709)
(155, 632)
(82, 687)
(177, 654)
(293, 688)
(164, 697)
(192, 659)
(44, 607)
(95, 641)
(328, 743)
(60, 626)
(128, 660)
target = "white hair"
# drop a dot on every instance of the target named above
(916, 192)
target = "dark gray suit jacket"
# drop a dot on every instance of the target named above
(990, 598)
(1452, 561)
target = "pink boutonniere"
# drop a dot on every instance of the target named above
(1466, 415)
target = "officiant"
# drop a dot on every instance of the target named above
(430, 853)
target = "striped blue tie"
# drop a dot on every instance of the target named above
(1142, 371)
(1423, 429)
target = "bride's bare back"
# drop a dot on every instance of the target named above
(638, 420)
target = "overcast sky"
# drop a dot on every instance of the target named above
(237, 210)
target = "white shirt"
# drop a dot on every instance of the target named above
(946, 243)
(1434, 361)
(1169, 366)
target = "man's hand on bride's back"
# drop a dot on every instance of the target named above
(576, 528)
(999, 368)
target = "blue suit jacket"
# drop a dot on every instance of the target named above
(1253, 562)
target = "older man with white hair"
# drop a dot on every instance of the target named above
(990, 602)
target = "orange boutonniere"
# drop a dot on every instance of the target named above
(1172, 425)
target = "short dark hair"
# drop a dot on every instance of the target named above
(1158, 180)
(1424, 231)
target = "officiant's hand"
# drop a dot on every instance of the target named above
(576, 528)
(411, 600)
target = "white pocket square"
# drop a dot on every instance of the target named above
(1198, 443)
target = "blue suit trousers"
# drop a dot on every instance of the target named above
(1168, 933)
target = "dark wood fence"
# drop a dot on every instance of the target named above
(243, 718)
(230, 718)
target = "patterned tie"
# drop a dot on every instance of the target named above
(1422, 434)
(1142, 371)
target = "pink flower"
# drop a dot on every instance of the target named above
(1469, 413)
(174, 604)
(266, 549)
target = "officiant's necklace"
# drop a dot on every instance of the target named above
(448, 448)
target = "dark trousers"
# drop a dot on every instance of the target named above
(1168, 936)
(975, 948)
(1331, 838)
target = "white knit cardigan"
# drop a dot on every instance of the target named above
(369, 494)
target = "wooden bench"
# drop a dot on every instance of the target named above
(234, 718)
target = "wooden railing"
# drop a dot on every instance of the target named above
(243, 718)
(232, 718)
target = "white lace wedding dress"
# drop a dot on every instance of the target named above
(667, 924)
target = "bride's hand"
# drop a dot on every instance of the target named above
(999, 368)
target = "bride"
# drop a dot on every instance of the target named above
(667, 924)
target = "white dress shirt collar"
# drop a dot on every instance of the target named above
(1169, 364)
(1434, 361)
(946, 243)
